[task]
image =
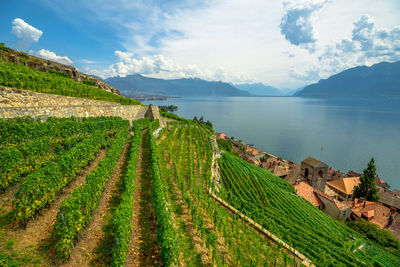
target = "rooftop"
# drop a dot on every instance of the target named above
(339, 204)
(390, 199)
(314, 162)
(345, 185)
(373, 211)
(305, 190)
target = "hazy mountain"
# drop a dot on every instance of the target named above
(260, 89)
(138, 85)
(379, 80)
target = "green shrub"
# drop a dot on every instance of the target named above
(91, 83)
(373, 232)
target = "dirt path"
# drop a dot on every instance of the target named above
(83, 253)
(143, 246)
(41, 228)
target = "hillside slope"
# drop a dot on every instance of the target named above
(379, 80)
(273, 203)
(10, 55)
(138, 85)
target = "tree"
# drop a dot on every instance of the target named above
(195, 118)
(367, 187)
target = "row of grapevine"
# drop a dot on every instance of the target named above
(272, 202)
(121, 222)
(40, 187)
(187, 148)
(77, 210)
(14, 131)
(166, 234)
(19, 161)
(22, 77)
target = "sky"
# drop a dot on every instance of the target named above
(286, 44)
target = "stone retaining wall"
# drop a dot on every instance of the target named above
(19, 103)
(11, 97)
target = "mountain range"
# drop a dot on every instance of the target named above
(379, 80)
(259, 89)
(137, 85)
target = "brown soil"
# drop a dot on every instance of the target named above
(83, 252)
(143, 247)
(7, 197)
(41, 228)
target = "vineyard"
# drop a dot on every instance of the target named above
(272, 202)
(55, 180)
(22, 77)
(100, 192)
(204, 232)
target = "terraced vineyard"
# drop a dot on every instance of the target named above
(205, 233)
(56, 179)
(273, 203)
(98, 192)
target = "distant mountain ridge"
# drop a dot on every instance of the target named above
(259, 89)
(379, 80)
(138, 85)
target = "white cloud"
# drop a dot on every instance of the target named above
(240, 39)
(46, 54)
(26, 33)
(297, 25)
(158, 66)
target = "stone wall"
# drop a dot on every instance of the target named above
(11, 97)
(19, 103)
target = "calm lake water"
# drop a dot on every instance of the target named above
(344, 134)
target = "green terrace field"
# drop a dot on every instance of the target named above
(54, 82)
(205, 233)
(273, 203)
(55, 178)
(99, 192)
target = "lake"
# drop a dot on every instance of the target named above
(345, 134)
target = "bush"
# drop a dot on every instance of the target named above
(373, 232)
(225, 144)
(91, 83)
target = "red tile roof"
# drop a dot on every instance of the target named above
(222, 136)
(374, 212)
(305, 190)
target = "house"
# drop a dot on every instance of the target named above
(250, 159)
(305, 190)
(343, 187)
(315, 171)
(381, 184)
(333, 207)
(222, 136)
(390, 199)
(373, 212)
(252, 151)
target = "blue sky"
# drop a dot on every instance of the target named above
(286, 44)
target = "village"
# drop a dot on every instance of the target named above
(325, 188)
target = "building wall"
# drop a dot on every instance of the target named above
(313, 175)
(330, 208)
